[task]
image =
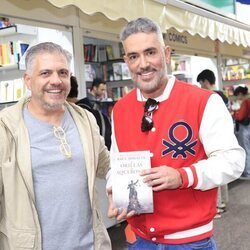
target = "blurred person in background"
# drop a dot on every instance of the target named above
(101, 119)
(96, 94)
(242, 119)
(207, 80)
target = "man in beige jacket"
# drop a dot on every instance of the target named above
(51, 152)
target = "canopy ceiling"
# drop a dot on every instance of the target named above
(168, 16)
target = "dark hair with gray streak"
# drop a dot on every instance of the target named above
(141, 25)
(46, 47)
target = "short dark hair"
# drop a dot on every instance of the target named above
(96, 82)
(241, 90)
(206, 75)
(73, 87)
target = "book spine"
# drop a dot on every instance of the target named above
(1, 55)
(5, 56)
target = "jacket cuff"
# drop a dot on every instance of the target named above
(189, 177)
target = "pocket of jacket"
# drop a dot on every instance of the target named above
(24, 239)
(19, 238)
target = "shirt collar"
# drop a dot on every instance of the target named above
(164, 96)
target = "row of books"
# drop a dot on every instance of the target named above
(116, 93)
(98, 53)
(109, 72)
(11, 52)
(11, 90)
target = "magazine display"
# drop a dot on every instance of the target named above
(129, 190)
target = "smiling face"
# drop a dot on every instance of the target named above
(48, 81)
(147, 57)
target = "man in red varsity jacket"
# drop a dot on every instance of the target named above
(190, 135)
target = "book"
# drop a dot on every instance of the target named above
(1, 55)
(117, 69)
(89, 73)
(128, 189)
(110, 54)
(102, 53)
(5, 54)
(19, 89)
(125, 72)
(121, 71)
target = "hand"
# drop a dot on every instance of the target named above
(113, 212)
(162, 177)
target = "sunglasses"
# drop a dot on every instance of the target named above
(64, 146)
(147, 119)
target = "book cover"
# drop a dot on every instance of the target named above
(102, 53)
(19, 89)
(5, 54)
(1, 56)
(110, 54)
(117, 69)
(89, 73)
(125, 71)
(129, 190)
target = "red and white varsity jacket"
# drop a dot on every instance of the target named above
(181, 215)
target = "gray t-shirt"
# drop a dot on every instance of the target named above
(60, 185)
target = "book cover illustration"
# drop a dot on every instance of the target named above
(129, 190)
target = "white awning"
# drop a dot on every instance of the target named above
(185, 17)
(169, 14)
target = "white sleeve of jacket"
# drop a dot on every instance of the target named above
(226, 159)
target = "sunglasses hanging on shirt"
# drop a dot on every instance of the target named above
(147, 120)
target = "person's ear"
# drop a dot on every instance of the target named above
(27, 80)
(167, 52)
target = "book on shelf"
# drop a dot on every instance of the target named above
(110, 53)
(128, 189)
(5, 54)
(117, 71)
(102, 53)
(90, 54)
(19, 89)
(116, 93)
(125, 72)
(11, 52)
(121, 71)
(1, 55)
(12, 90)
(108, 74)
(89, 73)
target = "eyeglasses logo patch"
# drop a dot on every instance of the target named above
(179, 146)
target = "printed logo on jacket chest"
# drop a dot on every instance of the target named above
(180, 141)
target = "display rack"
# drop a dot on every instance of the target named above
(235, 71)
(14, 41)
(104, 59)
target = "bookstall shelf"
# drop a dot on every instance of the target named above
(104, 59)
(14, 41)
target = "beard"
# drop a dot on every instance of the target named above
(154, 84)
(53, 106)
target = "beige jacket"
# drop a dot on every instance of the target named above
(19, 223)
